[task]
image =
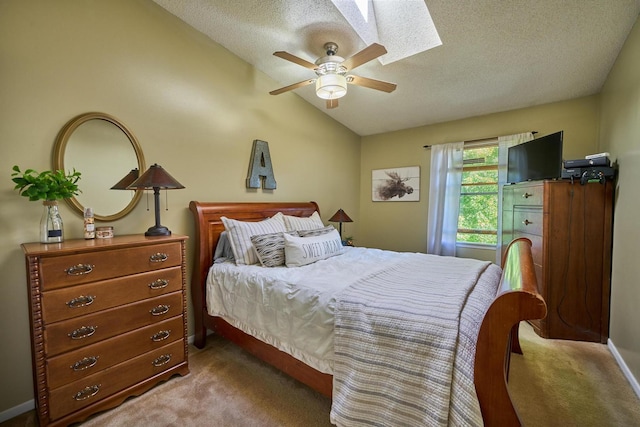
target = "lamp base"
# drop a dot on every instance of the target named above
(158, 231)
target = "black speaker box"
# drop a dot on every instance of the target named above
(589, 173)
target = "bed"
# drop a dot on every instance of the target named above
(515, 299)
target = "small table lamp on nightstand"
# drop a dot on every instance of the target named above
(340, 217)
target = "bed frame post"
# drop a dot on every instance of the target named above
(517, 300)
(201, 261)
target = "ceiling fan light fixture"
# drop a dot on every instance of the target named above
(331, 86)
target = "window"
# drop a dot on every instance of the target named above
(478, 218)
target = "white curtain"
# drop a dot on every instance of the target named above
(444, 198)
(504, 142)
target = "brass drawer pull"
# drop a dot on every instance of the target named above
(81, 301)
(83, 332)
(162, 360)
(87, 392)
(79, 270)
(527, 195)
(160, 336)
(527, 222)
(159, 257)
(86, 363)
(160, 310)
(159, 284)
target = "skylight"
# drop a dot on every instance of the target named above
(363, 6)
(404, 28)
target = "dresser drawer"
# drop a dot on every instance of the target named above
(88, 360)
(77, 395)
(61, 304)
(81, 331)
(528, 221)
(62, 271)
(527, 195)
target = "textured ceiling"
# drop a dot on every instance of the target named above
(496, 55)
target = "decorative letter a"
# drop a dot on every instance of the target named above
(260, 167)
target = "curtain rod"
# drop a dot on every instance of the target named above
(480, 140)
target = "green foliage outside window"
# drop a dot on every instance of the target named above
(478, 219)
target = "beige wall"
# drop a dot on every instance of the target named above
(403, 225)
(620, 135)
(194, 107)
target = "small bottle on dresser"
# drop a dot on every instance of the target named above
(89, 224)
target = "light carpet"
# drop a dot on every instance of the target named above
(555, 383)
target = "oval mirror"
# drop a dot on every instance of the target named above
(104, 151)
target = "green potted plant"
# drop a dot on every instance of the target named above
(48, 186)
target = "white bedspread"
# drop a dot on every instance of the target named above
(291, 308)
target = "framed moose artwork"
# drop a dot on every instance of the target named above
(400, 184)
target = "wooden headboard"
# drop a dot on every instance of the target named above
(208, 227)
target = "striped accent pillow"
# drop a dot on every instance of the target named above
(270, 248)
(240, 233)
(316, 232)
(299, 223)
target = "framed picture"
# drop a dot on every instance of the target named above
(396, 184)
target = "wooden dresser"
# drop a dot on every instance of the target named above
(570, 226)
(108, 321)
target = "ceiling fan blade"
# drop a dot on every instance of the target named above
(365, 55)
(291, 87)
(332, 103)
(295, 59)
(371, 83)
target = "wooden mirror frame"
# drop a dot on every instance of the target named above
(58, 160)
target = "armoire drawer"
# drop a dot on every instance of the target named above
(527, 195)
(62, 271)
(88, 360)
(93, 388)
(528, 221)
(81, 331)
(74, 301)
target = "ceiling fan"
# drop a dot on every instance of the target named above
(331, 70)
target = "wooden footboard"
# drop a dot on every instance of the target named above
(517, 300)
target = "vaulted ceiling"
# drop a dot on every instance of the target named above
(496, 55)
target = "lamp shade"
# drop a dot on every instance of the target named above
(127, 180)
(340, 216)
(331, 86)
(155, 177)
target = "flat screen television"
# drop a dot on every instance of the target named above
(534, 160)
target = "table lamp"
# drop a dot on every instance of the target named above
(155, 177)
(340, 217)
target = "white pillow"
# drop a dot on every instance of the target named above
(300, 251)
(240, 233)
(299, 223)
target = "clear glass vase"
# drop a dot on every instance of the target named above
(51, 228)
